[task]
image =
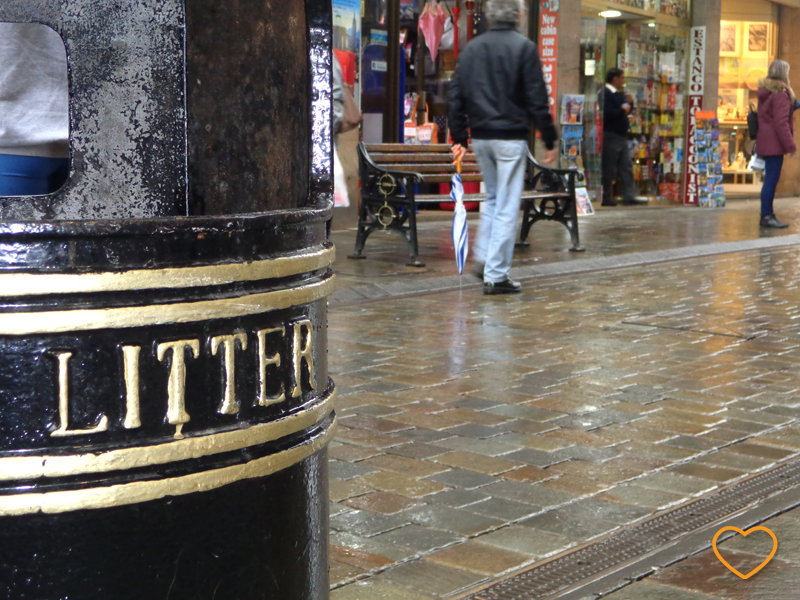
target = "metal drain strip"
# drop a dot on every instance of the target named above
(626, 546)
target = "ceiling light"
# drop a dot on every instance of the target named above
(610, 14)
(651, 24)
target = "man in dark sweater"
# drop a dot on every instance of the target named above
(497, 90)
(616, 152)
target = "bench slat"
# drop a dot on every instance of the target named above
(526, 195)
(407, 148)
(422, 158)
(429, 168)
(465, 177)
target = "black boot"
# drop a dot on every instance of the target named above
(771, 221)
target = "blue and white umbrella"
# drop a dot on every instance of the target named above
(460, 229)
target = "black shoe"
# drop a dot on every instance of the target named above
(634, 202)
(509, 286)
(608, 203)
(771, 221)
(477, 270)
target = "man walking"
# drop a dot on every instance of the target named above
(495, 93)
(616, 153)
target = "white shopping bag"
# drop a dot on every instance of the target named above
(756, 163)
(340, 197)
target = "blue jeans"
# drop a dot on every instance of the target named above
(772, 173)
(502, 164)
(31, 175)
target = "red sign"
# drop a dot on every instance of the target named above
(548, 49)
(697, 72)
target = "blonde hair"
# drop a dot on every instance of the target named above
(779, 70)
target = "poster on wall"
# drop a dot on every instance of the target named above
(548, 48)
(347, 40)
(697, 73)
(572, 109)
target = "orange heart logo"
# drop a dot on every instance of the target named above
(745, 534)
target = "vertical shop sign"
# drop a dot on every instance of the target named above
(697, 74)
(548, 48)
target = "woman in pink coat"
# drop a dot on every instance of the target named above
(775, 133)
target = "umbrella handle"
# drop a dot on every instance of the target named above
(458, 165)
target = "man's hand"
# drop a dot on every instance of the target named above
(627, 108)
(550, 156)
(458, 152)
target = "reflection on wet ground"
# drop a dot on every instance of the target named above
(482, 434)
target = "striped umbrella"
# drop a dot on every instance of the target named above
(460, 229)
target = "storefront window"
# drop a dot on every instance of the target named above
(592, 81)
(673, 8)
(653, 57)
(746, 50)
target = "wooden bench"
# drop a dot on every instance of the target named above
(390, 174)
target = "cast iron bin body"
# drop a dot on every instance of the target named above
(165, 405)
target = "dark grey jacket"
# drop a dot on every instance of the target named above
(498, 90)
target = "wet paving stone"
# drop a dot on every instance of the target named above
(417, 538)
(758, 450)
(567, 525)
(382, 502)
(505, 510)
(477, 557)
(463, 478)
(371, 589)
(522, 541)
(427, 577)
(461, 405)
(533, 494)
(712, 473)
(669, 482)
(457, 521)
(402, 464)
(643, 497)
(366, 523)
(613, 512)
(476, 462)
(656, 591)
(742, 462)
(488, 447)
(404, 485)
(473, 431)
(529, 473)
(347, 470)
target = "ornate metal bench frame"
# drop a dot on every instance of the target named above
(389, 203)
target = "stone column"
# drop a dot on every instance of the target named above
(709, 13)
(789, 50)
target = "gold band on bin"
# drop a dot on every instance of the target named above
(33, 467)
(41, 284)
(144, 491)
(60, 321)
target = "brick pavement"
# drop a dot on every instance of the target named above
(482, 434)
(704, 577)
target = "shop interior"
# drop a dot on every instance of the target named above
(653, 56)
(746, 50)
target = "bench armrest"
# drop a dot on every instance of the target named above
(362, 150)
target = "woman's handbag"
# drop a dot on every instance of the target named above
(752, 123)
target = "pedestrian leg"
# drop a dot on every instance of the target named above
(625, 170)
(772, 174)
(486, 162)
(609, 165)
(511, 162)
